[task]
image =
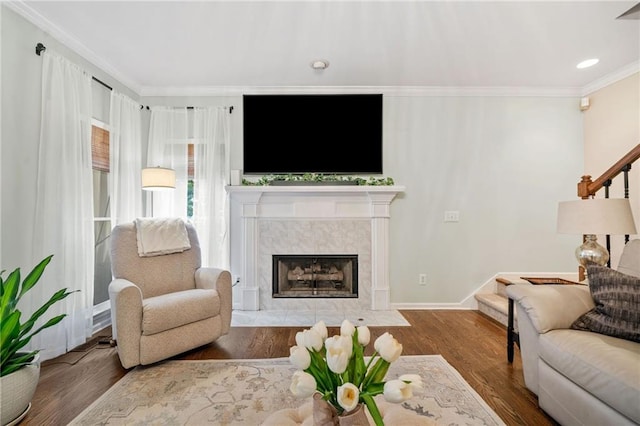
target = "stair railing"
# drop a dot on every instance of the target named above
(588, 188)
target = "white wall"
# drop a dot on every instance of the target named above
(503, 163)
(612, 129)
(21, 92)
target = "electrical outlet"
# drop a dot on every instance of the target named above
(422, 279)
(452, 216)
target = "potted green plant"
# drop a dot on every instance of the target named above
(20, 370)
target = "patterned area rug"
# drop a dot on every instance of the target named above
(245, 392)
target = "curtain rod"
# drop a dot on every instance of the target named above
(230, 108)
(41, 48)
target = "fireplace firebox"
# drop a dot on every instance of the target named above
(322, 276)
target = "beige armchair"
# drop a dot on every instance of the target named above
(164, 305)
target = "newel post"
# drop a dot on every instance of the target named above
(583, 187)
(584, 193)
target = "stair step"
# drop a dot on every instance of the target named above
(495, 306)
(501, 286)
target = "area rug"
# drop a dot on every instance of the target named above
(245, 392)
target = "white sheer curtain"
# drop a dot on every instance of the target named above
(170, 132)
(211, 175)
(168, 139)
(64, 206)
(125, 159)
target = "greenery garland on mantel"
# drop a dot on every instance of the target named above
(318, 178)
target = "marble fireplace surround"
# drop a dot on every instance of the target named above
(314, 219)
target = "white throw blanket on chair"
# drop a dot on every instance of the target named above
(158, 236)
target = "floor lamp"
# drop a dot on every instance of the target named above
(158, 179)
(591, 217)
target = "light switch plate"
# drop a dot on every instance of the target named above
(452, 216)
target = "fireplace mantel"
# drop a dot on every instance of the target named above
(348, 200)
(250, 204)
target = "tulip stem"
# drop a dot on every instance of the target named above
(373, 409)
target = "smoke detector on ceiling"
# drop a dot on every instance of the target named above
(320, 64)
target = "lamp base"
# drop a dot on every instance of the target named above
(591, 252)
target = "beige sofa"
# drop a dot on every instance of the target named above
(164, 305)
(580, 377)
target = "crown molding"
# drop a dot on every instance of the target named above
(71, 42)
(147, 91)
(611, 78)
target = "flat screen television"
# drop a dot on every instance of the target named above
(319, 133)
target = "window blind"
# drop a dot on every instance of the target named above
(100, 149)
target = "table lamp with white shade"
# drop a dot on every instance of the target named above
(158, 179)
(591, 217)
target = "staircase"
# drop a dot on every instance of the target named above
(495, 305)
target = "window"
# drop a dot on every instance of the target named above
(190, 177)
(102, 213)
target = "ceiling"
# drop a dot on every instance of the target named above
(161, 47)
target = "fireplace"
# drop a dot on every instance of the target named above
(268, 220)
(321, 276)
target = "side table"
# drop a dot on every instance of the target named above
(512, 335)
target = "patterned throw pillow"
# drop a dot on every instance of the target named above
(617, 299)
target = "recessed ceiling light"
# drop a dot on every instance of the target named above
(320, 64)
(588, 63)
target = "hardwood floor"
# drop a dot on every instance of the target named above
(470, 341)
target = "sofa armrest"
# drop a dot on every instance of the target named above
(551, 307)
(126, 308)
(219, 280)
(542, 308)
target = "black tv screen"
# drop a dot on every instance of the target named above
(324, 133)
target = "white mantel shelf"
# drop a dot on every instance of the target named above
(317, 188)
(323, 202)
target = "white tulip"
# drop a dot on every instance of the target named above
(300, 357)
(347, 328)
(303, 384)
(321, 328)
(339, 350)
(415, 382)
(310, 339)
(348, 396)
(364, 335)
(397, 391)
(388, 347)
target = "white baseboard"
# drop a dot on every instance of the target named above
(101, 316)
(489, 286)
(428, 306)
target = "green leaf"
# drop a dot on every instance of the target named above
(9, 329)
(51, 322)
(375, 388)
(8, 301)
(376, 373)
(17, 363)
(34, 275)
(382, 371)
(13, 334)
(57, 296)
